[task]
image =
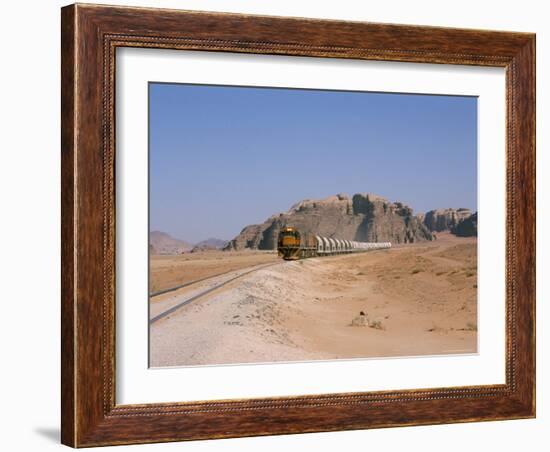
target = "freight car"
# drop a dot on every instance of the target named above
(293, 244)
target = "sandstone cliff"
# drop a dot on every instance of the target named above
(439, 220)
(467, 227)
(363, 217)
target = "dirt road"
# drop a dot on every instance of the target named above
(417, 299)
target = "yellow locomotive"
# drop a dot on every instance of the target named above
(293, 244)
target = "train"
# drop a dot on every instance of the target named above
(293, 245)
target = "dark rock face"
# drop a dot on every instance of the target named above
(467, 227)
(439, 220)
(364, 217)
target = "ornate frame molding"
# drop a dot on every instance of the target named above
(90, 36)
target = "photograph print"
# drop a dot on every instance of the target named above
(292, 225)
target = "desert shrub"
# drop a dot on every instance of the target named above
(376, 324)
(360, 320)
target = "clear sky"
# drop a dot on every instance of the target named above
(225, 157)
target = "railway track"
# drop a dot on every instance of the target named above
(205, 292)
(190, 283)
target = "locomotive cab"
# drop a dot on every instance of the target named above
(288, 244)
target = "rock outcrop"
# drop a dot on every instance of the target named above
(439, 220)
(467, 227)
(363, 217)
(209, 244)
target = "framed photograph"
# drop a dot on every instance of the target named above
(281, 225)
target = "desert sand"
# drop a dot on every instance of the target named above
(418, 299)
(172, 270)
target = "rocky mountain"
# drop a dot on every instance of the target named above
(467, 227)
(209, 244)
(162, 243)
(363, 217)
(439, 220)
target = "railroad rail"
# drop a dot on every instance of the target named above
(189, 283)
(205, 292)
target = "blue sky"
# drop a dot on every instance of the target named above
(224, 157)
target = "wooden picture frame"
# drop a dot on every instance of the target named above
(90, 36)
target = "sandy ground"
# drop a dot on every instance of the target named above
(417, 299)
(172, 270)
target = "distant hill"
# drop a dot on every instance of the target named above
(363, 217)
(209, 244)
(163, 243)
